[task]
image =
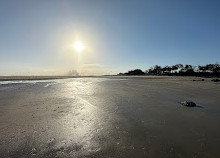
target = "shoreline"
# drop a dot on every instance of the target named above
(14, 78)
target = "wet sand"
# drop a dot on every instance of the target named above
(116, 117)
(13, 78)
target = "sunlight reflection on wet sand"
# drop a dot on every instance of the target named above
(85, 120)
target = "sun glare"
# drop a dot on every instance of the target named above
(78, 46)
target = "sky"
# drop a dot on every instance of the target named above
(37, 36)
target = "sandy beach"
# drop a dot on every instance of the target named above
(117, 117)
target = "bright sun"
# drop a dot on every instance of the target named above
(78, 46)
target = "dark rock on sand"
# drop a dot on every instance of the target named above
(199, 80)
(215, 80)
(188, 103)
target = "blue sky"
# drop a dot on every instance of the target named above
(119, 35)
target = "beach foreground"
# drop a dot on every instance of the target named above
(109, 117)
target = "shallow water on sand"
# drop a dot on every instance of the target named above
(105, 117)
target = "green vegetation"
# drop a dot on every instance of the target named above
(209, 70)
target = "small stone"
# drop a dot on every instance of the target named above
(188, 103)
(33, 151)
(50, 141)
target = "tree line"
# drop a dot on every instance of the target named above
(209, 70)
